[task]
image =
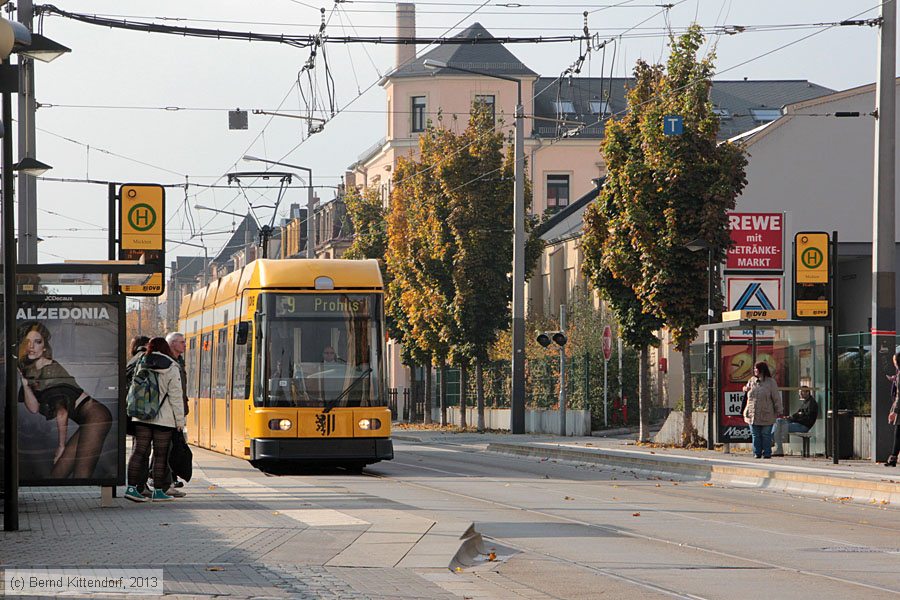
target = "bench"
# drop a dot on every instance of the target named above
(806, 437)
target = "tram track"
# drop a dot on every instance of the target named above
(613, 530)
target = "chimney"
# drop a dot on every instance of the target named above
(406, 28)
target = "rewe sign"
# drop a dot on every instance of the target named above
(757, 242)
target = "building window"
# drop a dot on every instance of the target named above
(418, 114)
(564, 107)
(489, 101)
(765, 115)
(557, 191)
(600, 107)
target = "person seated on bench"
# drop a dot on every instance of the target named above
(799, 422)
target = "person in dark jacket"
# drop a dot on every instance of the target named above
(799, 422)
(136, 351)
(177, 344)
(894, 413)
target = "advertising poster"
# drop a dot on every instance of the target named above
(737, 369)
(69, 410)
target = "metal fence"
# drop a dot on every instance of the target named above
(584, 386)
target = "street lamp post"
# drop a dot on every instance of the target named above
(310, 202)
(13, 38)
(517, 416)
(695, 246)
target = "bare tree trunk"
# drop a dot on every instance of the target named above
(688, 433)
(443, 392)
(428, 396)
(479, 386)
(463, 384)
(644, 395)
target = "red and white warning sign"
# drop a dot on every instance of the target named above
(757, 242)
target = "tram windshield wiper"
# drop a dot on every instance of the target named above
(329, 404)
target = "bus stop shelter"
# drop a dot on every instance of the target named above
(798, 353)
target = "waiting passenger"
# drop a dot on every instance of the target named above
(799, 422)
(159, 429)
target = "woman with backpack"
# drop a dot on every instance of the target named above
(161, 415)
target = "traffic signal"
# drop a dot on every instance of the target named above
(545, 338)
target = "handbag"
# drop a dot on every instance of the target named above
(180, 457)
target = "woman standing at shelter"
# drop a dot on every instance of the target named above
(48, 389)
(763, 407)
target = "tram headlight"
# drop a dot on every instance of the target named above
(369, 424)
(280, 424)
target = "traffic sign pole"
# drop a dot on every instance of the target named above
(607, 353)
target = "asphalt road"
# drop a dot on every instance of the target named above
(584, 531)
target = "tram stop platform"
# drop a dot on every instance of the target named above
(848, 481)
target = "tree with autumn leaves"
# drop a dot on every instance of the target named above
(449, 247)
(661, 192)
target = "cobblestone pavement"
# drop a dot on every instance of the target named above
(212, 544)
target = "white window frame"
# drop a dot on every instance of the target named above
(547, 177)
(561, 107)
(412, 113)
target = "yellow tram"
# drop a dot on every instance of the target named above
(285, 364)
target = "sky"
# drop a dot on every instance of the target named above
(130, 106)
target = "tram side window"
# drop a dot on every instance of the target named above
(193, 361)
(206, 352)
(221, 380)
(240, 385)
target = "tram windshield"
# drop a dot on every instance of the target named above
(319, 350)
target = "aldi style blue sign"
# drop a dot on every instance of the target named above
(673, 125)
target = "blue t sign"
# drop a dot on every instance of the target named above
(673, 125)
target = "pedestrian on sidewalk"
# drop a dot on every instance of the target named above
(177, 344)
(763, 405)
(158, 429)
(137, 350)
(894, 413)
(799, 422)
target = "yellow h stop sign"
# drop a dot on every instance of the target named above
(142, 212)
(812, 257)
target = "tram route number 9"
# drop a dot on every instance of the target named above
(733, 401)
